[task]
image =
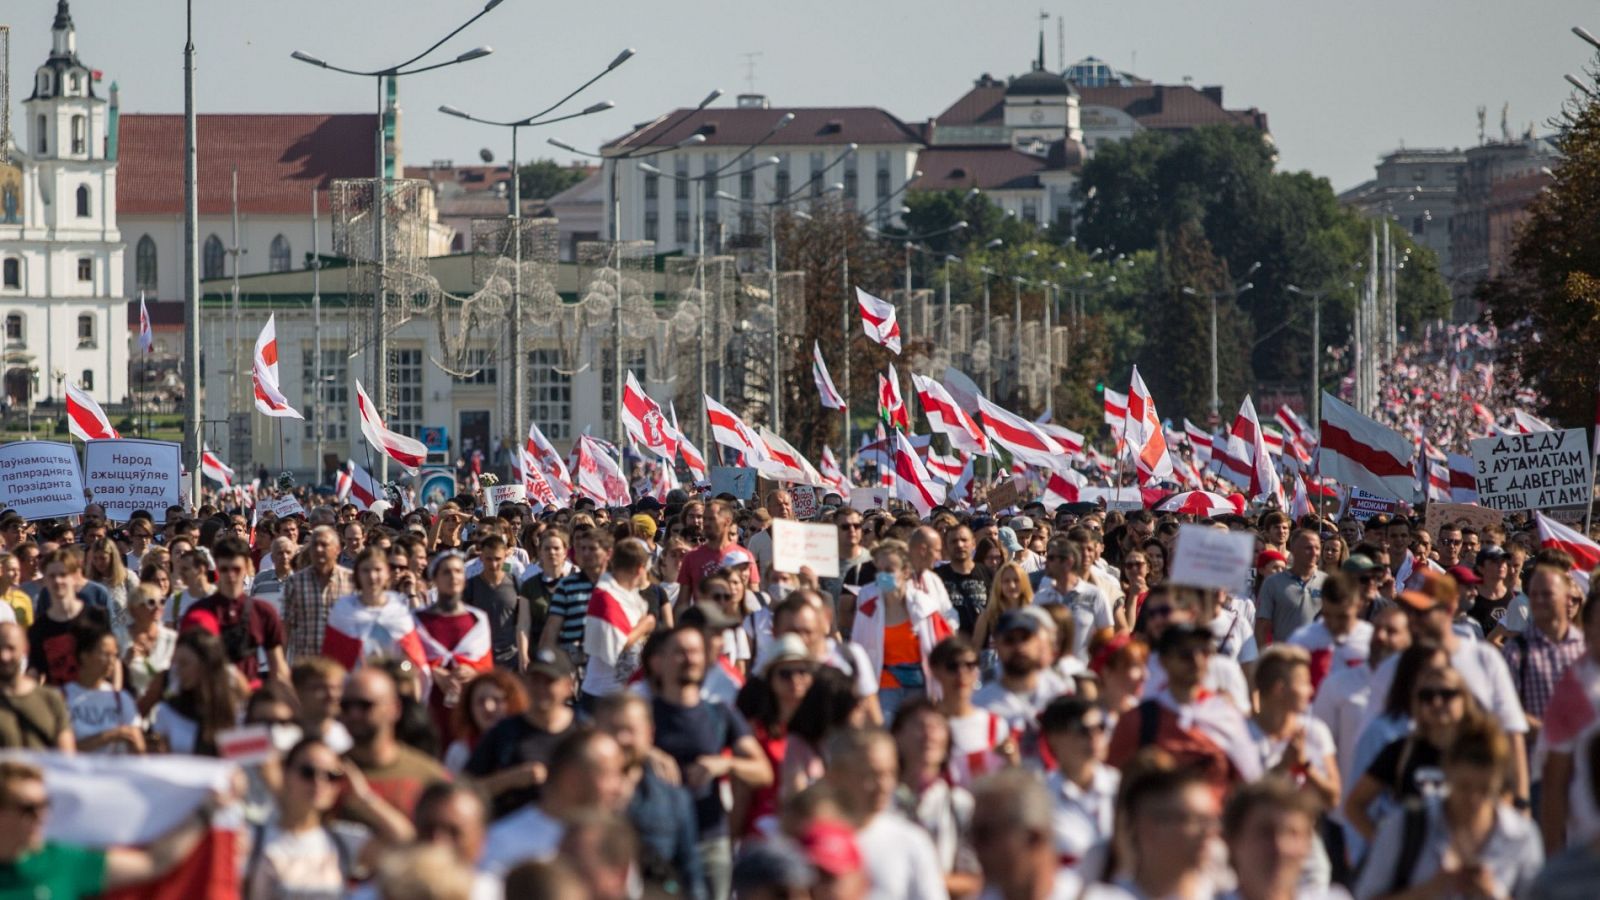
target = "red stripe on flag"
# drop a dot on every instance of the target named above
(1375, 461)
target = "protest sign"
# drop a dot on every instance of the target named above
(1003, 495)
(283, 507)
(1123, 499)
(1462, 515)
(740, 481)
(804, 497)
(1363, 505)
(1207, 557)
(796, 544)
(1542, 470)
(868, 499)
(40, 479)
(504, 493)
(129, 474)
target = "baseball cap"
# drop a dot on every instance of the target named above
(1020, 524)
(734, 558)
(831, 847)
(1269, 556)
(787, 648)
(1358, 564)
(644, 525)
(1018, 620)
(1491, 553)
(1416, 600)
(551, 664)
(677, 497)
(981, 522)
(1463, 574)
(775, 863)
(646, 504)
(1008, 540)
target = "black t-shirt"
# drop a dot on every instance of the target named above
(1489, 613)
(512, 742)
(508, 615)
(53, 649)
(1406, 765)
(687, 733)
(969, 593)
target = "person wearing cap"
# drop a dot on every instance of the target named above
(1200, 729)
(1022, 530)
(1482, 667)
(1292, 597)
(773, 870)
(1026, 683)
(1370, 575)
(511, 759)
(1008, 541)
(830, 846)
(616, 623)
(644, 528)
(1467, 582)
(1497, 602)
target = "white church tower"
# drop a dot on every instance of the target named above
(64, 318)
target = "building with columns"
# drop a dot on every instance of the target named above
(62, 304)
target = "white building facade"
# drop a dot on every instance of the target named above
(62, 304)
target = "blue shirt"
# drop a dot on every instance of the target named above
(664, 817)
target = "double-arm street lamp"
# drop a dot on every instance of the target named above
(380, 348)
(1234, 292)
(518, 383)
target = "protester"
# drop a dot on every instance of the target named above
(616, 623)
(1292, 598)
(484, 701)
(32, 715)
(105, 719)
(150, 645)
(925, 797)
(512, 758)
(370, 709)
(980, 739)
(311, 592)
(1082, 789)
(251, 632)
(900, 857)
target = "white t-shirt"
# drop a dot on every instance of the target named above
(1021, 711)
(1341, 705)
(96, 710)
(973, 739)
(1234, 630)
(179, 730)
(1319, 745)
(1091, 611)
(1483, 669)
(527, 834)
(304, 865)
(1223, 676)
(851, 659)
(1083, 819)
(900, 860)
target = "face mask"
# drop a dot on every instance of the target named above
(886, 582)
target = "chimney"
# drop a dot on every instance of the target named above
(1213, 93)
(753, 101)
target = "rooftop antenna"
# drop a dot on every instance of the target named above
(750, 70)
(1483, 115)
(1061, 42)
(1505, 129)
(1043, 18)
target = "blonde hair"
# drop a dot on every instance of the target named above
(998, 604)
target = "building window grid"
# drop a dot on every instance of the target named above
(278, 255)
(652, 226)
(335, 389)
(480, 362)
(652, 186)
(680, 228)
(850, 180)
(405, 390)
(550, 393)
(85, 269)
(14, 329)
(747, 184)
(44, 130)
(680, 184)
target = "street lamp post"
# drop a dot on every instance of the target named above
(380, 348)
(1235, 291)
(518, 383)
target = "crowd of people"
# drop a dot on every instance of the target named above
(584, 702)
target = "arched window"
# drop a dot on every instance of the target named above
(86, 330)
(212, 263)
(83, 201)
(278, 256)
(144, 264)
(80, 134)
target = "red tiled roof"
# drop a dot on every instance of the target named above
(281, 158)
(739, 127)
(983, 105)
(1157, 106)
(988, 168)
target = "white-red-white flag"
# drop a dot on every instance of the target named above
(832, 475)
(1142, 428)
(1199, 442)
(783, 462)
(598, 476)
(1205, 504)
(1025, 440)
(819, 374)
(1529, 424)
(912, 482)
(1355, 450)
(147, 337)
(1463, 481)
(212, 467)
(1300, 504)
(693, 459)
(357, 486)
(891, 404)
(730, 431)
(947, 417)
(1116, 411)
(877, 319)
(946, 468)
(543, 457)
(409, 452)
(1070, 441)
(85, 419)
(1063, 487)
(646, 424)
(1263, 477)
(1556, 536)
(264, 375)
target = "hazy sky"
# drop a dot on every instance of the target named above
(1342, 82)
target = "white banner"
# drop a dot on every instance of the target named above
(505, 493)
(130, 474)
(1207, 557)
(796, 544)
(40, 479)
(1543, 470)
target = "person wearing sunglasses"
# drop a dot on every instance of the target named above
(1082, 789)
(980, 740)
(301, 853)
(782, 676)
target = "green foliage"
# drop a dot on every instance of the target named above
(545, 178)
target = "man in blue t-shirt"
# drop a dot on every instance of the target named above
(699, 735)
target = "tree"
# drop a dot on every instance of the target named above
(545, 178)
(1548, 304)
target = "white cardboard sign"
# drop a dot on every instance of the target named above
(1542, 470)
(284, 507)
(868, 499)
(796, 544)
(40, 479)
(129, 474)
(1207, 557)
(505, 493)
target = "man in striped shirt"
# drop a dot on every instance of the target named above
(310, 592)
(563, 627)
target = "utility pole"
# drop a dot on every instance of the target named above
(844, 393)
(234, 252)
(316, 337)
(380, 261)
(191, 273)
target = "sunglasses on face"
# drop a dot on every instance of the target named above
(719, 596)
(308, 772)
(792, 674)
(1087, 728)
(1429, 696)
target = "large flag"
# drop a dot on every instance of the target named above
(730, 431)
(1263, 477)
(1063, 487)
(1070, 441)
(147, 338)
(356, 633)
(1556, 536)
(1142, 426)
(1203, 503)
(1025, 440)
(472, 650)
(877, 319)
(946, 417)
(784, 463)
(946, 468)
(598, 476)
(693, 459)
(99, 802)
(85, 419)
(408, 452)
(819, 373)
(1300, 504)
(1463, 481)
(543, 457)
(212, 467)
(1116, 410)
(1356, 450)
(264, 375)
(357, 486)
(645, 424)
(891, 404)
(832, 475)
(912, 482)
